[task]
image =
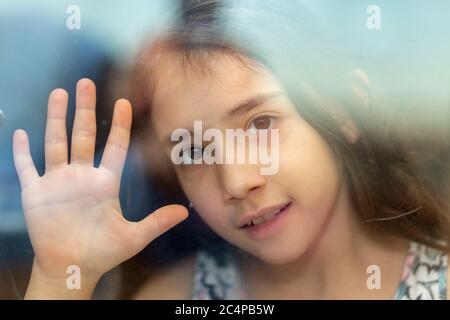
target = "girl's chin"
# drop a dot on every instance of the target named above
(279, 260)
(278, 257)
(279, 252)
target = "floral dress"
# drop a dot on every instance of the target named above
(424, 275)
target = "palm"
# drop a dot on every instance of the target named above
(91, 208)
(73, 212)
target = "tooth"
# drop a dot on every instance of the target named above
(258, 221)
(270, 215)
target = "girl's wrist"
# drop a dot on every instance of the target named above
(42, 286)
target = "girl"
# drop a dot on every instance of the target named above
(346, 215)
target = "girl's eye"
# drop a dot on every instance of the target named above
(261, 123)
(191, 153)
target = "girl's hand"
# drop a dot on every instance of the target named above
(73, 212)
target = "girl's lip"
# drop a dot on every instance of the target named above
(268, 228)
(246, 220)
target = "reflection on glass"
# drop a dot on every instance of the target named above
(347, 109)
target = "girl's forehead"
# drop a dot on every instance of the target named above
(183, 93)
(197, 76)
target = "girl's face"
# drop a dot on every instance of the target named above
(308, 179)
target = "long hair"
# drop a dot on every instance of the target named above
(388, 189)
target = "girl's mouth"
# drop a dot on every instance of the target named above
(265, 226)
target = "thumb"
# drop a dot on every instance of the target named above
(156, 223)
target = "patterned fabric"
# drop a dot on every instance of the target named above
(216, 277)
(424, 275)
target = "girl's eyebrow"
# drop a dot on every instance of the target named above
(239, 110)
(251, 103)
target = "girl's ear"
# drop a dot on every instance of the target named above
(359, 84)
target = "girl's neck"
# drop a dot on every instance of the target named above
(335, 266)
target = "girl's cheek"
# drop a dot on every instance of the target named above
(190, 174)
(307, 165)
(206, 199)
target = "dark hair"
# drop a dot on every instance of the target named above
(386, 185)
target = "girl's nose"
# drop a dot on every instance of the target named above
(239, 180)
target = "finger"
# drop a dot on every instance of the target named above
(84, 127)
(55, 131)
(116, 147)
(157, 223)
(22, 159)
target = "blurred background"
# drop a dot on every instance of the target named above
(43, 45)
(49, 44)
